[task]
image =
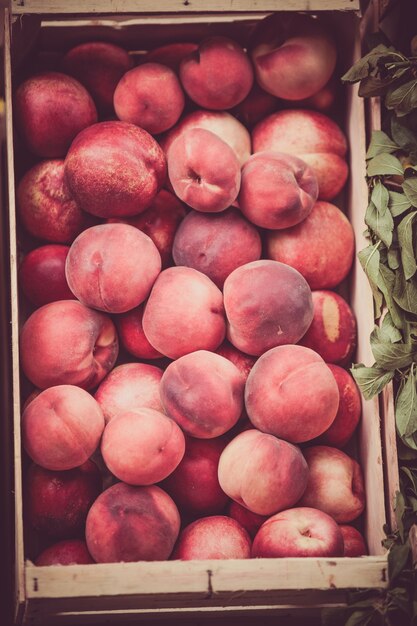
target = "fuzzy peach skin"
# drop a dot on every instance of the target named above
(65, 342)
(131, 335)
(99, 66)
(203, 170)
(354, 543)
(150, 96)
(184, 313)
(129, 387)
(112, 267)
(50, 109)
(311, 136)
(291, 393)
(67, 552)
(128, 523)
(160, 222)
(250, 521)
(62, 427)
(321, 247)
(114, 169)
(335, 483)
(171, 54)
(262, 473)
(277, 190)
(284, 298)
(243, 362)
(349, 411)
(302, 531)
(294, 55)
(221, 123)
(203, 393)
(332, 332)
(42, 275)
(45, 205)
(142, 446)
(215, 537)
(257, 105)
(216, 244)
(57, 502)
(218, 75)
(194, 485)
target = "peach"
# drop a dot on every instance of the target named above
(128, 523)
(50, 109)
(194, 485)
(57, 503)
(324, 99)
(262, 473)
(67, 552)
(184, 313)
(42, 275)
(65, 342)
(335, 483)
(62, 427)
(131, 335)
(129, 387)
(277, 190)
(150, 96)
(250, 521)
(279, 292)
(348, 413)
(243, 362)
(332, 332)
(215, 537)
(99, 66)
(114, 169)
(160, 222)
(171, 54)
(221, 123)
(218, 75)
(311, 136)
(291, 393)
(45, 206)
(302, 531)
(257, 105)
(294, 56)
(142, 446)
(112, 267)
(203, 393)
(353, 541)
(216, 244)
(203, 170)
(321, 247)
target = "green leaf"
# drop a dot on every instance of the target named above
(406, 406)
(406, 453)
(370, 380)
(403, 131)
(380, 197)
(405, 242)
(388, 330)
(402, 99)
(362, 68)
(386, 283)
(382, 224)
(380, 143)
(398, 203)
(360, 618)
(393, 258)
(412, 477)
(410, 442)
(398, 558)
(405, 293)
(410, 190)
(384, 165)
(369, 259)
(399, 509)
(391, 356)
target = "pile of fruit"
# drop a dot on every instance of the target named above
(184, 331)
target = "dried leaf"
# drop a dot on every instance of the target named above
(370, 380)
(384, 165)
(398, 203)
(380, 143)
(405, 242)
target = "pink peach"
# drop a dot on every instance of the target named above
(131, 335)
(67, 552)
(215, 537)
(354, 543)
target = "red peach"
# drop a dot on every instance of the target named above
(203, 392)
(332, 332)
(129, 387)
(67, 552)
(257, 105)
(129, 523)
(171, 54)
(353, 541)
(50, 109)
(284, 298)
(215, 537)
(243, 362)
(184, 313)
(112, 267)
(321, 247)
(131, 335)
(42, 275)
(114, 169)
(65, 342)
(45, 206)
(62, 427)
(216, 244)
(291, 393)
(218, 75)
(57, 503)
(250, 521)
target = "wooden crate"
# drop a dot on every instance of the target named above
(139, 591)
